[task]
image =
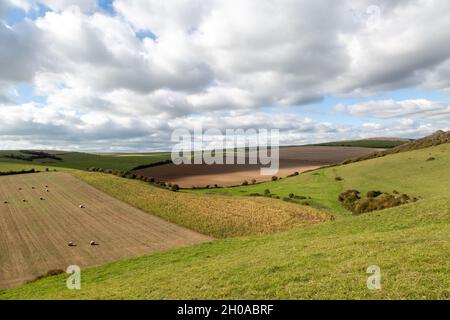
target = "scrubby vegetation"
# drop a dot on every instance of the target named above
(8, 173)
(375, 200)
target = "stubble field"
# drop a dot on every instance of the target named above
(34, 233)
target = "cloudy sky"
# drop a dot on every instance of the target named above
(122, 75)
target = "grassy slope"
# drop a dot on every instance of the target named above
(216, 216)
(365, 143)
(411, 244)
(83, 161)
(407, 172)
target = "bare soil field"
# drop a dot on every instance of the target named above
(35, 232)
(292, 159)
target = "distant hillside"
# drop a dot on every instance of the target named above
(437, 138)
(81, 161)
(380, 143)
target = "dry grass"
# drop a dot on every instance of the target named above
(218, 216)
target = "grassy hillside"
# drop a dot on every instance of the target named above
(382, 144)
(411, 172)
(216, 216)
(410, 244)
(82, 161)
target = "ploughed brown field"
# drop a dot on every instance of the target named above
(34, 235)
(292, 159)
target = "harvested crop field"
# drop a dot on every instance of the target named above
(292, 159)
(35, 232)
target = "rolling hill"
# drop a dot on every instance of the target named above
(410, 244)
(83, 161)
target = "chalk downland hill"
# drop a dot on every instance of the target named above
(410, 244)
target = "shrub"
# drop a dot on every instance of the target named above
(253, 181)
(431, 159)
(349, 199)
(373, 194)
(216, 186)
(245, 183)
(338, 179)
(291, 195)
(266, 192)
(274, 178)
(375, 200)
(175, 187)
(46, 169)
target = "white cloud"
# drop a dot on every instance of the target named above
(418, 108)
(219, 62)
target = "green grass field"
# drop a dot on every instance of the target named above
(83, 161)
(411, 245)
(407, 172)
(384, 144)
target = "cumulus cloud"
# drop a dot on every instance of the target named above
(217, 62)
(418, 108)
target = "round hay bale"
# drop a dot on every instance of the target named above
(41, 198)
(81, 206)
(46, 190)
(24, 200)
(71, 244)
(5, 202)
(93, 243)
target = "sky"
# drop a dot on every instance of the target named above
(122, 75)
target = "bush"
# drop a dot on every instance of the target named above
(431, 159)
(175, 187)
(274, 178)
(375, 200)
(338, 179)
(253, 181)
(291, 195)
(373, 194)
(245, 183)
(266, 192)
(349, 199)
